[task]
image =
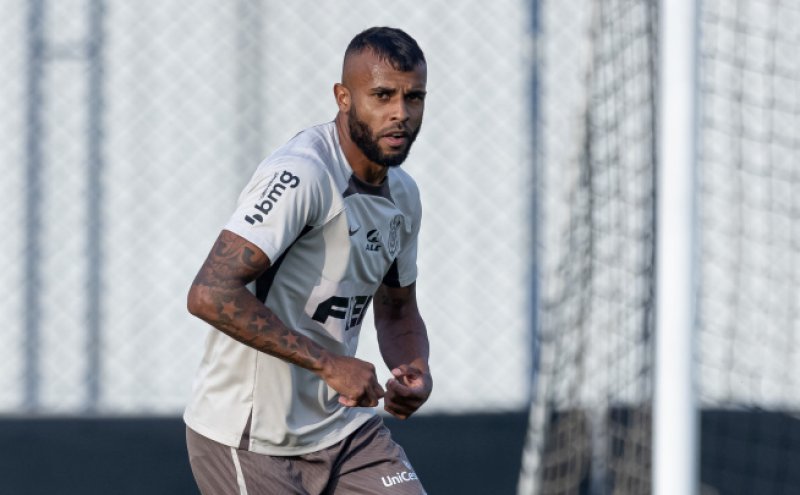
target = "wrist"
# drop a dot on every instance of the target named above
(420, 366)
(323, 364)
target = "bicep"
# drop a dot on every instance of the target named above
(233, 262)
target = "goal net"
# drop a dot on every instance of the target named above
(590, 428)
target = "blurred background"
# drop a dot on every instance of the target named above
(132, 128)
(129, 129)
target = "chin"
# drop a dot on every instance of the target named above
(394, 160)
(395, 155)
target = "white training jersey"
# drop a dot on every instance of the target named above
(332, 240)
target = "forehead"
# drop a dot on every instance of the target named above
(367, 70)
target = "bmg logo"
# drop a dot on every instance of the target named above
(272, 194)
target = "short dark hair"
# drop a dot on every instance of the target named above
(389, 44)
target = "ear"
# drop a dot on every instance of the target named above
(342, 95)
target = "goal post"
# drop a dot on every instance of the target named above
(675, 443)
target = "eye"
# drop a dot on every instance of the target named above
(383, 95)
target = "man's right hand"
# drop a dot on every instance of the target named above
(354, 379)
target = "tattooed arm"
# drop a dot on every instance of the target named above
(219, 296)
(403, 342)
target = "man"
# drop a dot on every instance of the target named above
(326, 224)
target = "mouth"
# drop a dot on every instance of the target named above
(395, 139)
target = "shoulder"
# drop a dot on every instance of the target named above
(314, 146)
(286, 173)
(404, 188)
(302, 160)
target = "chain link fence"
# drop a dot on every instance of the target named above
(129, 129)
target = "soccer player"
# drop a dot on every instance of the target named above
(327, 225)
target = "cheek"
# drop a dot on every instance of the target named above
(416, 114)
(417, 108)
(370, 114)
(378, 121)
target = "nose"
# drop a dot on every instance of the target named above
(400, 111)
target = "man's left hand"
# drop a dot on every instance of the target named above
(406, 391)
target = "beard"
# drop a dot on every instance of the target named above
(364, 137)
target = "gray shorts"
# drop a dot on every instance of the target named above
(368, 462)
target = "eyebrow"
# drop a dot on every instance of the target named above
(383, 89)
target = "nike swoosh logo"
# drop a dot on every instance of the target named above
(352, 232)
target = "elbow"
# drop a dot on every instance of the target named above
(198, 301)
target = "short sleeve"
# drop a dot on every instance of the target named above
(280, 200)
(403, 271)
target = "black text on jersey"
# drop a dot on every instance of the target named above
(272, 193)
(350, 309)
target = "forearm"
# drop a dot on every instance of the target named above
(239, 314)
(402, 336)
(404, 341)
(404, 346)
(219, 296)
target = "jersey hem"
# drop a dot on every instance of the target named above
(265, 449)
(326, 442)
(210, 433)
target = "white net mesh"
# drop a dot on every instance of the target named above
(590, 421)
(748, 308)
(590, 424)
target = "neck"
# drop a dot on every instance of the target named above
(366, 170)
